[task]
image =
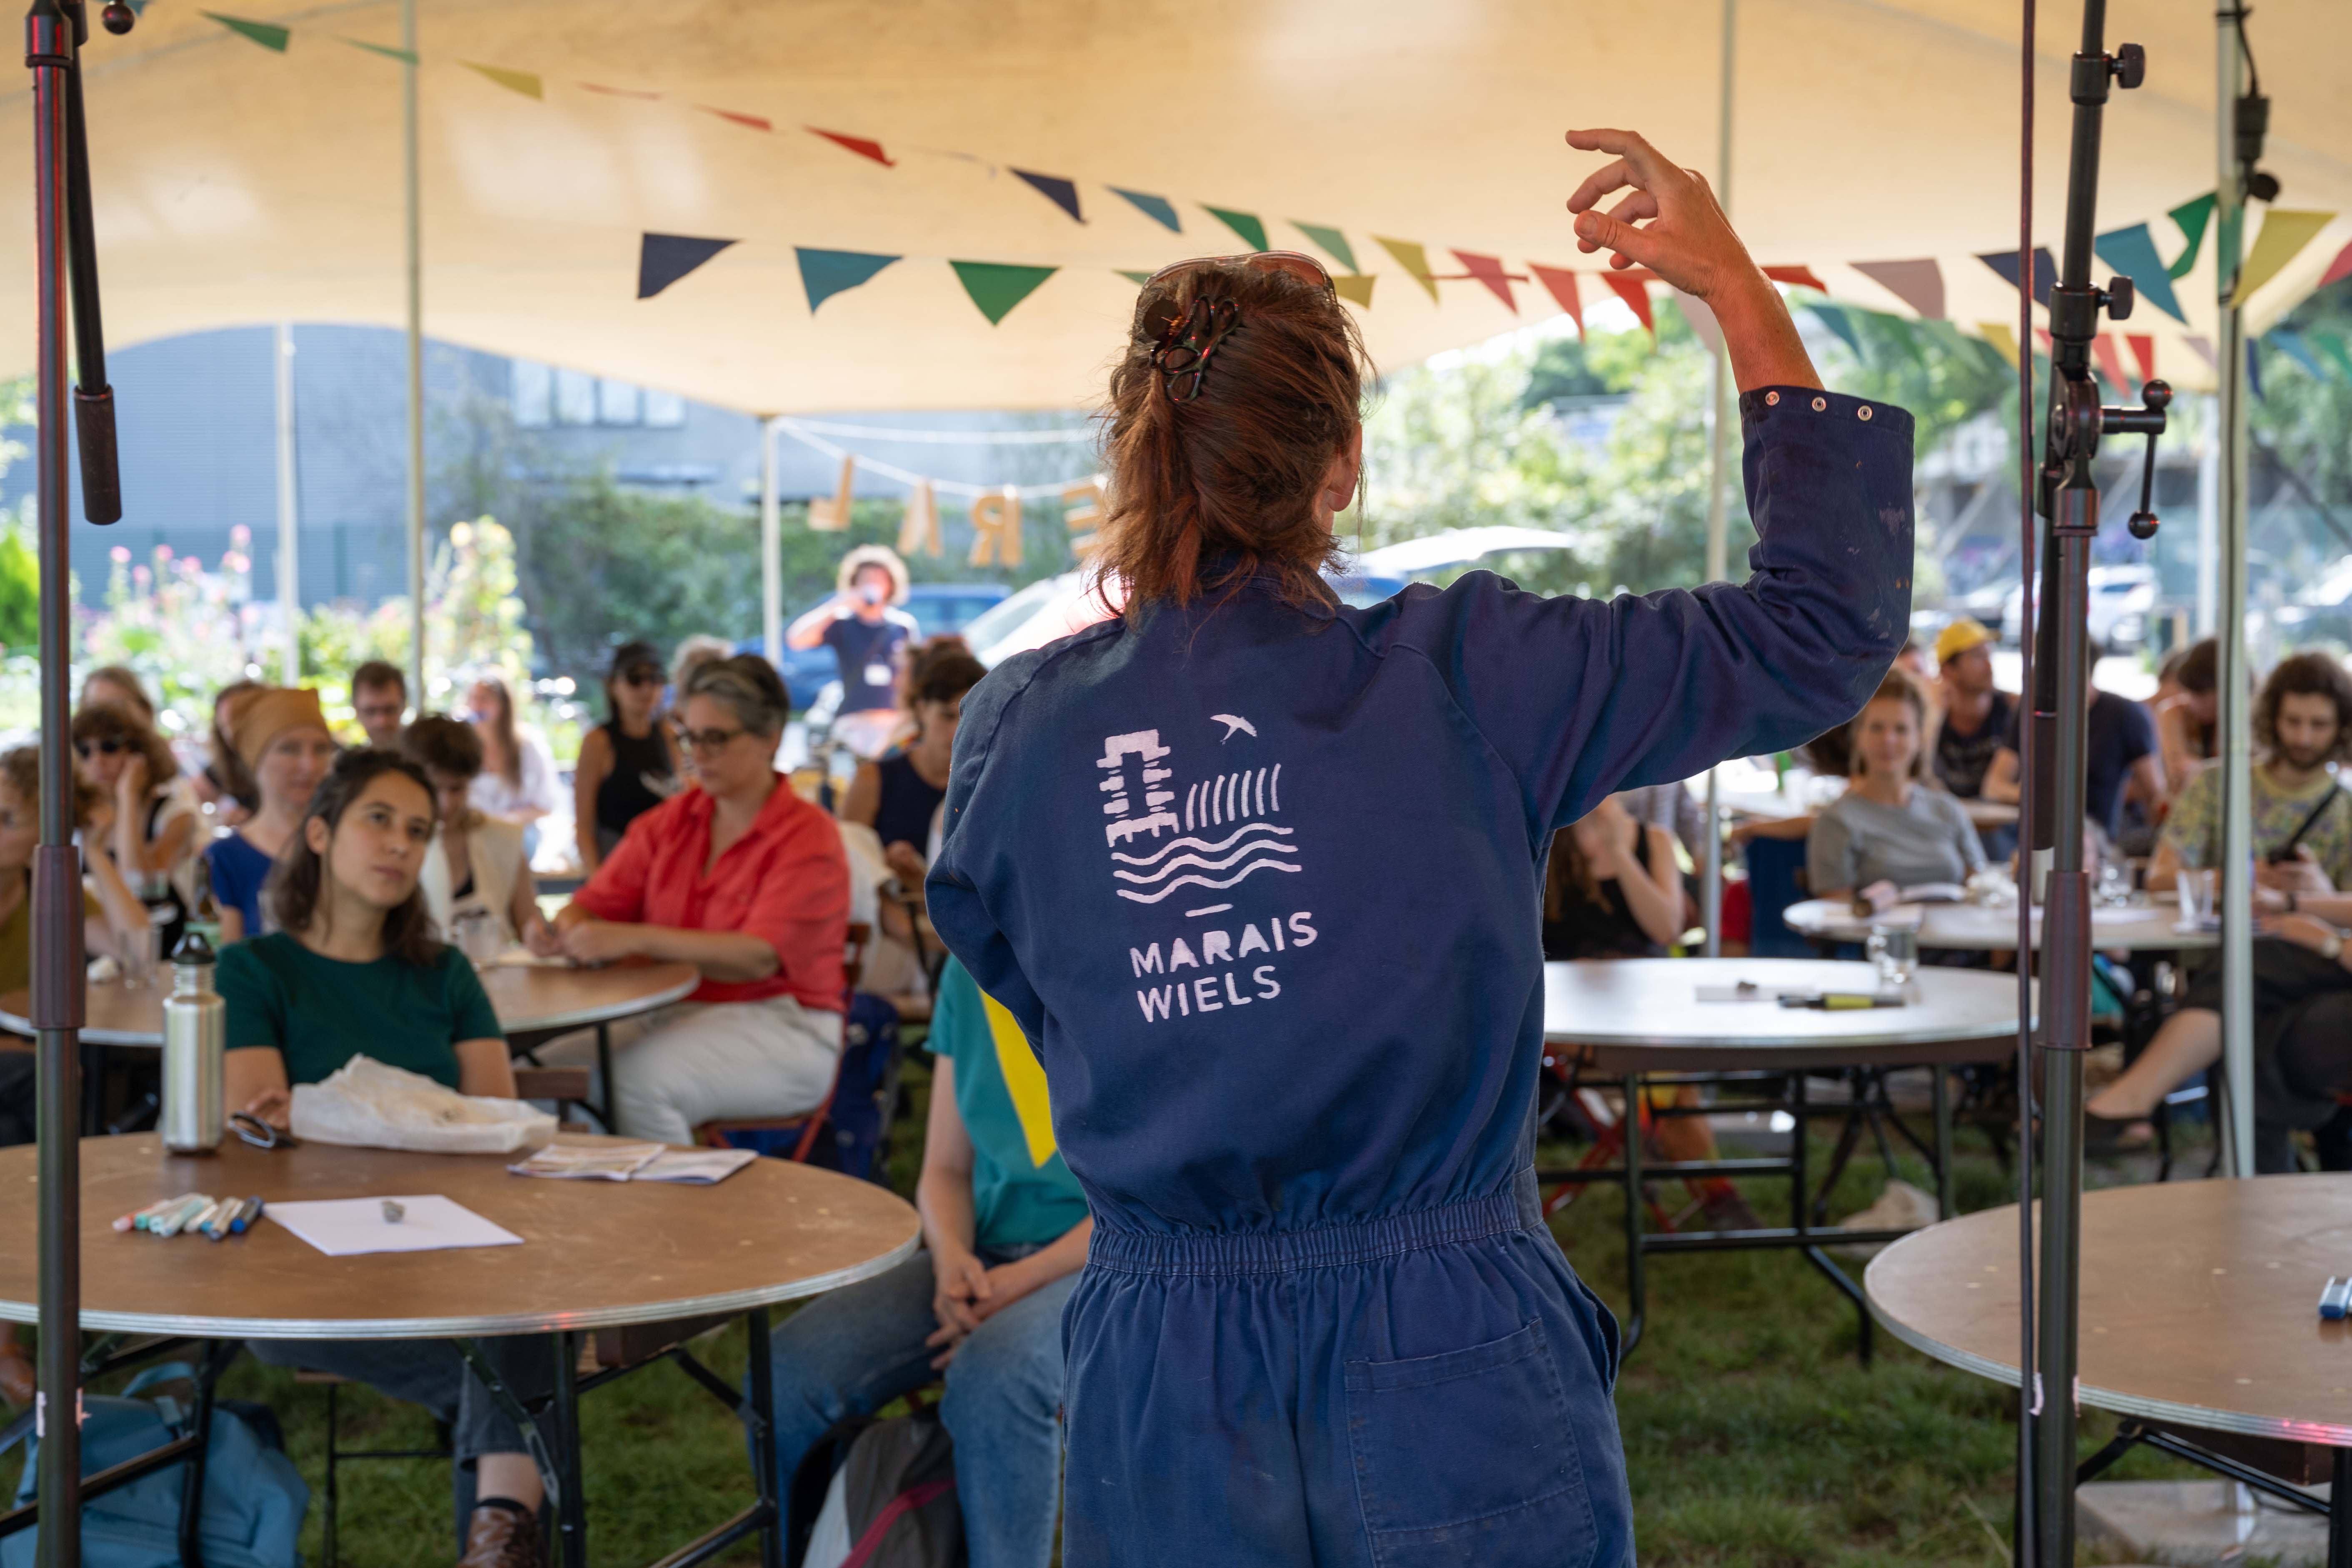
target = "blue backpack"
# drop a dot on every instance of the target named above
(254, 1498)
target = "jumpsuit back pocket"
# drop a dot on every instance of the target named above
(1470, 1457)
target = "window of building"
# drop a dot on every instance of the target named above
(575, 398)
(533, 389)
(665, 409)
(616, 403)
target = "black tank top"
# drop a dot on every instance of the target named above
(903, 813)
(1605, 929)
(641, 778)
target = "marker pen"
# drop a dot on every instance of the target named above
(2337, 1298)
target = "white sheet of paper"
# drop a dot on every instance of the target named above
(344, 1227)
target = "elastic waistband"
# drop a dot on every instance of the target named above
(1515, 1208)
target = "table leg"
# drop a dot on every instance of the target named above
(1800, 1177)
(572, 1515)
(1945, 1207)
(604, 1075)
(2339, 1508)
(558, 1475)
(1629, 1127)
(759, 1417)
(216, 1357)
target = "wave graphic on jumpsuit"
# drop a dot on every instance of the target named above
(1263, 852)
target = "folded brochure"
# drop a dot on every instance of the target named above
(634, 1163)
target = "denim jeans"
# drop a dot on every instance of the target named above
(855, 1351)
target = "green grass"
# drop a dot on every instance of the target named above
(1754, 1436)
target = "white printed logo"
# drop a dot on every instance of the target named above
(1238, 800)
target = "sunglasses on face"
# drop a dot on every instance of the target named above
(705, 742)
(646, 676)
(107, 746)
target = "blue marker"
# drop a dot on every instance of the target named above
(2337, 1298)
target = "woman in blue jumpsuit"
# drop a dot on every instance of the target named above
(1260, 877)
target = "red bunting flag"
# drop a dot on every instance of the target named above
(1796, 278)
(1560, 284)
(865, 147)
(2337, 269)
(1488, 269)
(617, 92)
(1636, 292)
(2143, 348)
(753, 121)
(2111, 362)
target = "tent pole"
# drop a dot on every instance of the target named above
(289, 560)
(2236, 891)
(1719, 423)
(772, 548)
(419, 694)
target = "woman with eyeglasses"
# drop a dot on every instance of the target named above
(626, 765)
(1260, 877)
(281, 737)
(477, 870)
(517, 781)
(146, 816)
(354, 969)
(746, 881)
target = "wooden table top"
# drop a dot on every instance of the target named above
(531, 1000)
(594, 1254)
(1979, 928)
(1639, 1015)
(2199, 1302)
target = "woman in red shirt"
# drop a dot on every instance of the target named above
(746, 881)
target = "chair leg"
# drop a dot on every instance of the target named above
(327, 1544)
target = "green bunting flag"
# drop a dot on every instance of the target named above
(2191, 218)
(2290, 343)
(1333, 242)
(1158, 209)
(1413, 259)
(406, 57)
(996, 287)
(825, 273)
(2338, 353)
(1138, 279)
(1835, 319)
(268, 35)
(2132, 252)
(1246, 225)
(524, 82)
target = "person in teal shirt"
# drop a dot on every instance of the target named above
(1004, 1231)
(354, 969)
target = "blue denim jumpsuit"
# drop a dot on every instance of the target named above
(1263, 885)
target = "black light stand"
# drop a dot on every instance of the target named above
(2068, 502)
(54, 33)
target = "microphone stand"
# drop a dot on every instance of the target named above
(55, 31)
(2068, 502)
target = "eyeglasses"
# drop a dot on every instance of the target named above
(701, 741)
(107, 746)
(260, 1134)
(1188, 338)
(645, 674)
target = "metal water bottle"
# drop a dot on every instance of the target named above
(195, 1033)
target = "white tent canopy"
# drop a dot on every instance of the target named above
(237, 183)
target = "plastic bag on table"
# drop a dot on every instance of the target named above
(372, 1105)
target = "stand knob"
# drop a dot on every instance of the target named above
(2142, 525)
(117, 17)
(2121, 297)
(2154, 397)
(2131, 66)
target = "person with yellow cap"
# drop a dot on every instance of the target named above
(1975, 712)
(281, 737)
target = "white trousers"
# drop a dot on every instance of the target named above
(706, 1061)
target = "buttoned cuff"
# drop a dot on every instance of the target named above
(1763, 406)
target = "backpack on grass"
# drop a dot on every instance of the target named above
(877, 1494)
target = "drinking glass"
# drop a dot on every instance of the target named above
(142, 956)
(2196, 884)
(1895, 949)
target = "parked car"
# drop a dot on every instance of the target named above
(936, 606)
(2121, 599)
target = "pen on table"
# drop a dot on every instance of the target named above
(2337, 1298)
(137, 1219)
(176, 1220)
(1839, 1002)
(247, 1216)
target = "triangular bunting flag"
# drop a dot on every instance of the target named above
(865, 147)
(1918, 284)
(2143, 348)
(1158, 209)
(1797, 278)
(2338, 269)
(2290, 343)
(1834, 318)
(1246, 225)
(2253, 366)
(753, 121)
(1355, 288)
(1636, 292)
(2132, 252)
(524, 82)
(2333, 345)
(1413, 260)
(1488, 269)
(996, 287)
(1560, 284)
(2202, 347)
(268, 35)
(663, 259)
(406, 57)
(1062, 193)
(2110, 361)
(2284, 236)
(825, 273)
(1138, 279)
(1333, 242)
(2190, 218)
(1701, 321)
(2045, 270)
(2003, 341)
(618, 91)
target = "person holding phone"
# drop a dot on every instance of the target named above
(867, 630)
(1260, 876)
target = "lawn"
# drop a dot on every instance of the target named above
(1754, 1436)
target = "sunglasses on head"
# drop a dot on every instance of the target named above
(107, 746)
(1188, 338)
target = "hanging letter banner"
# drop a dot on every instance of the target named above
(919, 528)
(833, 516)
(1062, 193)
(825, 273)
(996, 287)
(1082, 513)
(1413, 260)
(663, 259)
(996, 528)
(1158, 209)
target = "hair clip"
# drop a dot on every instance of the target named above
(1187, 342)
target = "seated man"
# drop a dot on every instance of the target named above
(746, 881)
(2119, 756)
(1006, 1229)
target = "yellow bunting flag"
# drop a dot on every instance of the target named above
(1413, 260)
(996, 528)
(2284, 234)
(833, 516)
(1024, 1080)
(1355, 287)
(524, 82)
(1082, 506)
(919, 528)
(2003, 341)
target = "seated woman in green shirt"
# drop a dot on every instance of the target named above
(354, 969)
